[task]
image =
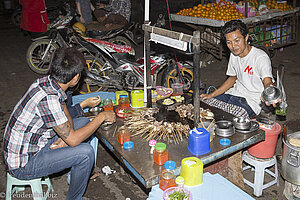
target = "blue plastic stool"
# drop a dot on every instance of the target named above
(35, 184)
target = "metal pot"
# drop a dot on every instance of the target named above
(291, 160)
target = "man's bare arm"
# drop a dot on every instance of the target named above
(74, 137)
(223, 88)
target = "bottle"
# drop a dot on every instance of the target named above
(123, 136)
(160, 153)
(152, 145)
(166, 180)
(108, 104)
(179, 181)
(124, 101)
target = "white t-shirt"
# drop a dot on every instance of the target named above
(250, 72)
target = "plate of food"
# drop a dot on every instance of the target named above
(166, 102)
(163, 91)
(124, 112)
(177, 193)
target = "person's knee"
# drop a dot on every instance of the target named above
(87, 151)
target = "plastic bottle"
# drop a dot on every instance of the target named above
(167, 180)
(160, 153)
(152, 145)
(179, 181)
(124, 101)
(123, 136)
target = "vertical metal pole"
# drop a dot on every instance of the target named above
(148, 67)
(196, 69)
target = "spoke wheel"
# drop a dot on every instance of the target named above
(35, 54)
(120, 40)
(94, 66)
(172, 76)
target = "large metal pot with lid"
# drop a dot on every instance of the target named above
(291, 159)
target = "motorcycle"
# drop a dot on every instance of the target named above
(108, 65)
(131, 34)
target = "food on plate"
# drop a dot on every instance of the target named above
(178, 195)
(167, 101)
(124, 111)
(163, 91)
(179, 98)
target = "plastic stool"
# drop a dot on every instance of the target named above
(260, 166)
(35, 184)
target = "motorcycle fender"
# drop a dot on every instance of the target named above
(124, 68)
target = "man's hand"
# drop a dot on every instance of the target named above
(91, 102)
(206, 96)
(108, 116)
(273, 104)
(58, 144)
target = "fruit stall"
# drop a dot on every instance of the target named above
(272, 24)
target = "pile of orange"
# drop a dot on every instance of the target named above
(272, 4)
(222, 11)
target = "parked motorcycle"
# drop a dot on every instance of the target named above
(131, 34)
(108, 65)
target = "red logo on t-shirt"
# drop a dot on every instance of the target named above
(248, 70)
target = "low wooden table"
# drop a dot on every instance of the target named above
(139, 161)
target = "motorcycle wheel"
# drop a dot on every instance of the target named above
(120, 40)
(35, 53)
(94, 66)
(171, 76)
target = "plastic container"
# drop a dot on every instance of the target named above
(266, 149)
(137, 98)
(177, 89)
(118, 94)
(170, 165)
(191, 171)
(179, 181)
(123, 136)
(108, 104)
(152, 145)
(199, 141)
(124, 101)
(167, 180)
(160, 153)
(128, 145)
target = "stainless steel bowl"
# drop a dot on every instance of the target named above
(95, 110)
(106, 126)
(242, 123)
(271, 94)
(224, 128)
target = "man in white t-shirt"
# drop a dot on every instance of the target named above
(249, 72)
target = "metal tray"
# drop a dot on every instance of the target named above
(254, 127)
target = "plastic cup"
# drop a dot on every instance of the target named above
(177, 89)
(108, 104)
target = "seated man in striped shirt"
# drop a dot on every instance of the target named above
(41, 138)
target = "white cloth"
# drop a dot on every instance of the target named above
(250, 72)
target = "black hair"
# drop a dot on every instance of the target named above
(66, 63)
(234, 25)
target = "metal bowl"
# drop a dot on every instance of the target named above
(95, 110)
(271, 94)
(242, 123)
(106, 126)
(224, 128)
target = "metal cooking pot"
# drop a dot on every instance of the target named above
(291, 160)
